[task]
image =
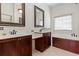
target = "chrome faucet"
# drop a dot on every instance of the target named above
(13, 32)
(74, 35)
(41, 29)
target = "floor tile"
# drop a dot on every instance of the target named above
(53, 51)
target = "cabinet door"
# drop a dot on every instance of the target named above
(39, 44)
(26, 45)
(47, 37)
(16, 46)
(1, 49)
(46, 42)
(9, 47)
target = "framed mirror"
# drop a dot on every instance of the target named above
(38, 17)
(12, 14)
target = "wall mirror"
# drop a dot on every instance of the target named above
(38, 17)
(12, 14)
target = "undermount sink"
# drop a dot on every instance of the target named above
(38, 32)
(41, 32)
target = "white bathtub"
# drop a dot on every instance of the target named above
(66, 36)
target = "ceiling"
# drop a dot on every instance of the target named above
(53, 4)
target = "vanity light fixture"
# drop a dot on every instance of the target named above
(20, 10)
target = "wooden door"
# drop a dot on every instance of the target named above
(40, 44)
(26, 46)
(47, 37)
(46, 42)
(20, 46)
(9, 47)
(1, 48)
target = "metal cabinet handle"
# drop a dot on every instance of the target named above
(19, 39)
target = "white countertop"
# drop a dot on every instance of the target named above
(13, 36)
(36, 36)
(19, 35)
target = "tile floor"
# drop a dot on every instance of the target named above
(53, 51)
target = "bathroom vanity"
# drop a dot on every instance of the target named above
(42, 43)
(66, 44)
(43, 40)
(16, 46)
(21, 44)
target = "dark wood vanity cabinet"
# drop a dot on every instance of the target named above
(20, 46)
(44, 42)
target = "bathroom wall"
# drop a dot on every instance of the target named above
(66, 9)
(29, 18)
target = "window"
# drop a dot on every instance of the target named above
(63, 23)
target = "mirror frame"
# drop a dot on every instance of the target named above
(35, 25)
(14, 24)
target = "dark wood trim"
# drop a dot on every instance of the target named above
(23, 14)
(14, 24)
(35, 7)
(66, 44)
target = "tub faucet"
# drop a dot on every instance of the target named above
(74, 35)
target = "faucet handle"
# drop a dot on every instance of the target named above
(74, 35)
(13, 32)
(32, 30)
